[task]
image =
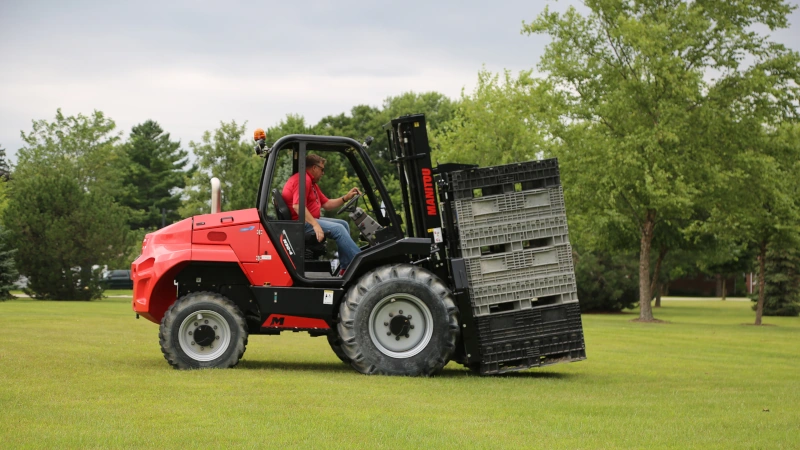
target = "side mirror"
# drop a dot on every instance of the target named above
(367, 142)
(261, 148)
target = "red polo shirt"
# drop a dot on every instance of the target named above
(314, 196)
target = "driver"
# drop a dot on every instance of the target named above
(315, 199)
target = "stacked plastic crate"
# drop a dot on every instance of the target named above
(513, 238)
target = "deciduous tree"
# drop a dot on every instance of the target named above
(503, 121)
(62, 213)
(650, 88)
(226, 153)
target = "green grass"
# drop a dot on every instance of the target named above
(86, 374)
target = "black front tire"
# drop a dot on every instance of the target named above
(203, 330)
(376, 322)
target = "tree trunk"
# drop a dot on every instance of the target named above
(762, 256)
(718, 277)
(724, 288)
(655, 286)
(658, 295)
(645, 310)
(657, 272)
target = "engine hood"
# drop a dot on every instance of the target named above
(225, 219)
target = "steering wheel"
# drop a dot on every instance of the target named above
(350, 204)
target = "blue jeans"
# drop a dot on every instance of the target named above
(340, 232)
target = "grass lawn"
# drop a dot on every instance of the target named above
(87, 374)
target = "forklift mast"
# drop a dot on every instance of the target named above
(411, 153)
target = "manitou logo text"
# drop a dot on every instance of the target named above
(276, 322)
(427, 185)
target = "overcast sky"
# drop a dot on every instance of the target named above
(191, 64)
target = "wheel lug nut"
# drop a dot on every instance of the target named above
(195, 324)
(391, 314)
(192, 342)
(217, 338)
(388, 333)
(406, 335)
(206, 322)
(409, 316)
(215, 327)
(202, 348)
(210, 346)
(401, 311)
(386, 323)
(412, 326)
(397, 338)
(190, 333)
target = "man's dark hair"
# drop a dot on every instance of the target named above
(314, 160)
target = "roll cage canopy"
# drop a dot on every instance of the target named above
(301, 144)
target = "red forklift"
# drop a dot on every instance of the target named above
(404, 306)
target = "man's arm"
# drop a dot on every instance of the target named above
(312, 221)
(338, 202)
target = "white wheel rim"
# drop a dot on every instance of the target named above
(200, 325)
(385, 321)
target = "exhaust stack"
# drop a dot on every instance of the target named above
(216, 196)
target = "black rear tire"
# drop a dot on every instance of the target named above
(398, 320)
(336, 345)
(203, 330)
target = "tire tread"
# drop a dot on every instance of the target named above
(169, 321)
(369, 281)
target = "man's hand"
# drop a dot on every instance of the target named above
(352, 193)
(318, 231)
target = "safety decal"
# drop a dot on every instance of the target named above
(287, 245)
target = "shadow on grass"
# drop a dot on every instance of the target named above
(526, 373)
(294, 365)
(345, 368)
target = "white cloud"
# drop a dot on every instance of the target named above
(190, 65)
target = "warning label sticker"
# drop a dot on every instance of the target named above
(327, 298)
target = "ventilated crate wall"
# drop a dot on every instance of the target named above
(513, 236)
(532, 338)
(521, 279)
(513, 265)
(514, 242)
(510, 207)
(522, 294)
(502, 179)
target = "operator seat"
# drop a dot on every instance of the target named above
(314, 248)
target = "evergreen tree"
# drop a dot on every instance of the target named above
(782, 278)
(154, 176)
(8, 270)
(5, 170)
(606, 282)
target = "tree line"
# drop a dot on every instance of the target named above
(675, 124)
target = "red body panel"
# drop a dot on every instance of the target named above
(209, 221)
(232, 236)
(164, 253)
(237, 230)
